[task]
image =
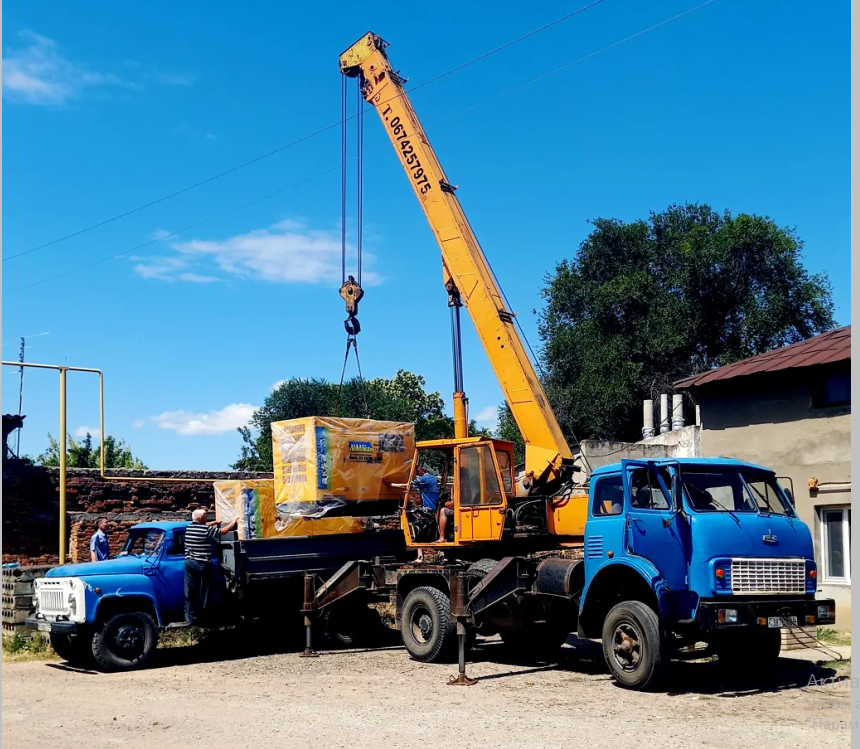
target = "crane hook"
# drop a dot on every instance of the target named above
(352, 294)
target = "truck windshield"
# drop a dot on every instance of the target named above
(733, 491)
(142, 542)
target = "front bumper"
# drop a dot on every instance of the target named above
(54, 628)
(750, 611)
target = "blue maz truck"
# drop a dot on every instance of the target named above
(675, 554)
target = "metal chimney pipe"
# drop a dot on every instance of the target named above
(677, 411)
(664, 413)
(648, 419)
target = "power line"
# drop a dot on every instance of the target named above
(580, 60)
(376, 150)
(296, 142)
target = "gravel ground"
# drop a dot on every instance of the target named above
(381, 698)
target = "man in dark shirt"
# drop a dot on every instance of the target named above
(200, 540)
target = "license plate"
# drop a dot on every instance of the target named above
(44, 626)
(777, 622)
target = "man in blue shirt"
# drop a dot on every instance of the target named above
(428, 486)
(99, 547)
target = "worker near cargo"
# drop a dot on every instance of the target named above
(427, 486)
(99, 546)
(425, 483)
(200, 540)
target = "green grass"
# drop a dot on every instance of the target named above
(832, 637)
(17, 649)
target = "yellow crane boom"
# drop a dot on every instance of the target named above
(467, 274)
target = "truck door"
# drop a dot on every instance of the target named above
(168, 574)
(479, 506)
(654, 529)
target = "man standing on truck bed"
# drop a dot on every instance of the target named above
(200, 540)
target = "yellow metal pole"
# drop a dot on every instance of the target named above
(101, 424)
(62, 465)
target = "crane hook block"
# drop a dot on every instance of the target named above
(351, 325)
(352, 294)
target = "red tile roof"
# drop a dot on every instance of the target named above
(821, 349)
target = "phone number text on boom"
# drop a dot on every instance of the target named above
(407, 152)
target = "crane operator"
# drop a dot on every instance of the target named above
(427, 485)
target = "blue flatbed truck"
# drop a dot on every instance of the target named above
(675, 553)
(109, 614)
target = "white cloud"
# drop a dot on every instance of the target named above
(278, 384)
(138, 423)
(487, 417)
(196, 278)
(214, 422)
(38, 74)
(287, 252)
(82, 432)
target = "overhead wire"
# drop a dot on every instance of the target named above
(296, 142)
(376, 150)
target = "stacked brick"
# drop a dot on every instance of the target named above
(31, 506)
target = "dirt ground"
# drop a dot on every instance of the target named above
(381, 698)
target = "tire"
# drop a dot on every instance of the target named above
(125, 641)
(633, 645)
(477, 572)
(74, 649)
(748, 649)
(428, 630)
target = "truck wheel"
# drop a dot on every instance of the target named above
(429, 632)
(73, 649)
(125, 641)
(477, 572)
(633, 645)
(748, 648)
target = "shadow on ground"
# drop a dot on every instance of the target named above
(582, 659)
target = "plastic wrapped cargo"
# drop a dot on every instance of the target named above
(327, 463)
(253, 502)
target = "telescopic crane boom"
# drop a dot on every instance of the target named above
(468, 277)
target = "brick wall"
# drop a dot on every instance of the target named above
(31, 506)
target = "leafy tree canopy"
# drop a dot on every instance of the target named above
(646, 303)
(85, 454)
(401, 398)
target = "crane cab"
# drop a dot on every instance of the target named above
(475, 477)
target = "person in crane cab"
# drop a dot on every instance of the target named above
(427, 486)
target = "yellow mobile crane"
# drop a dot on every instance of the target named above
(483, 492)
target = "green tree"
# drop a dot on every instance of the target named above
(401, 398)
(508, 430)
(85, 454)
(646, 303)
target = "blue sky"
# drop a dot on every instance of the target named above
(108, 106)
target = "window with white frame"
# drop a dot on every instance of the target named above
(836, 544)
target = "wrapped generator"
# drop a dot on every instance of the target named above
(329, 465)
(253, 502)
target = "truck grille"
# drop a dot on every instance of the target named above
(52, 601)
(768, 576)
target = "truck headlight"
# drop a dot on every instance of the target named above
(727, 616)
(825, 611)
(73, 603)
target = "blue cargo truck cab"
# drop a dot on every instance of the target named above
(110, 614)
(679, 558)
(684, 551)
